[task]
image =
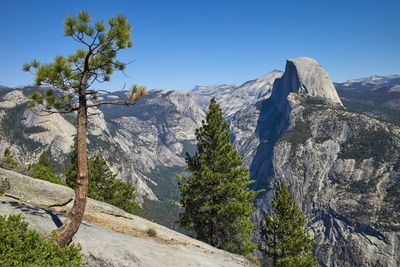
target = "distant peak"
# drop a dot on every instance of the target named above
(305, 75)
(373, 79)
(303, 60)
(271, 75)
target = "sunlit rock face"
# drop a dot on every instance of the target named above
(306, 76)
(342, 167)
(232, 98)
(136, 140)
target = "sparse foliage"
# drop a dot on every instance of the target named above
(44, 159)
(7, 152)
(40, 170)
(69, 80)
(9, 162)
(95, 63)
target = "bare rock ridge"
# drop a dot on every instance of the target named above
(237, 98)
(303, 76)
(108, 236)
(341, 166)
(306, 76)
(345, 186)
(312, 79)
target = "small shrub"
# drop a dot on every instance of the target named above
(4, 186)
(43, 172)
(151, 232)
(8, 161)
(21, 246)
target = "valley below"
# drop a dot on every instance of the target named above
(336, 146)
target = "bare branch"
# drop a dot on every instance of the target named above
(50, 112)
(125, 102)
(79, 38)
(94, 38)
(130, 62)
(92, 92)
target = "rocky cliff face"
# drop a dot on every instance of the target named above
(136, 140)
(305, 76)
(241, 106)
(233, 98)
(342, 167)
(155, 133)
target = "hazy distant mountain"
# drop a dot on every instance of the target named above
(371, 83)
(377, 96)
(341, 165)
(2, 87)
(236, 98)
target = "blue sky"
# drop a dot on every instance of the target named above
(179, 44)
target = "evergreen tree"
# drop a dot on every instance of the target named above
(9, 162)
(73, 76)
(44, 159)
(217, 202)
(7, 152)
(40, 170)
(287, 243)
(104, 184)
(43, 172)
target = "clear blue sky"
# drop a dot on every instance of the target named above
(179, 44)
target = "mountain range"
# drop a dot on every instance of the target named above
(336, 145)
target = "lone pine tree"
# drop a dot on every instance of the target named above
(70, 79)
(217, 202)
(286, 241)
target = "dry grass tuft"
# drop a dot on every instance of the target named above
(151, 232)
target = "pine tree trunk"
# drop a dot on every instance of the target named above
(75, 216)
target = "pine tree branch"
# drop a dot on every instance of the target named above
(126, 102)
(50, 112)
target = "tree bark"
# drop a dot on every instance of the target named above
(75, 216)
